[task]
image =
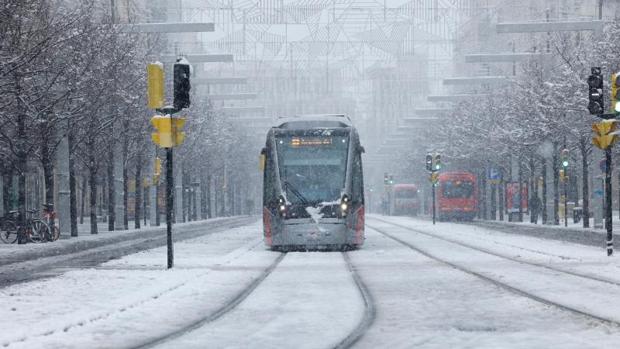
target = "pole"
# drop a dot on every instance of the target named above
(433, 190)
(565, 197)
(608, 222)
(169, 205)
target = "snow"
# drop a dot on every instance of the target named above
(311, 300)
(127, 301)
(424, 304)
(17, 253)
(315, 213)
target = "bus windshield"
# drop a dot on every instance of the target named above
(312, 168)
(456, 189)
(406, 193)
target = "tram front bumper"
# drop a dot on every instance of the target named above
(313, 235)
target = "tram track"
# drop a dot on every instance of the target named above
(369, 308)
(495, 281)
(349, 341)
(219, 312)
(507, 257)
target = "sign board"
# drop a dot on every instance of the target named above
(494, 175)
(513, 197)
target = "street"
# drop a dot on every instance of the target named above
(419, 285)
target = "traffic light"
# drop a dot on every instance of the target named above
(181, 85)
(595, 95)
(429, 162)
(169, 131)
(155, 85)
(391, 180)
(603, 134)
(615, 98)
(437, 163)
(386, 178)
(434, 178)
(564, 157)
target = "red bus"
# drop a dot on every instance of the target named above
(405, 200)
(457, 195)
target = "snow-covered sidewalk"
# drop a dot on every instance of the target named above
(14, 253)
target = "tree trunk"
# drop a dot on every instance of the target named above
(585, 190)
(208, 193)
(72, 186)
(203, 199)
(111, 191)
(93, 188)
(520, 177)
(543, 173)
(125, 155)
(125, 196)
(7, 184)
(493, 201)
(483, 193)
(216, 198)
(48, 177)
(556, 185)
(138, 194)
(501, 199)
(21, 154)
(532, 188)
(145, 204)
(83, 194)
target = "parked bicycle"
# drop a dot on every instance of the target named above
(50, 217)
(8, 230)
(34, 230)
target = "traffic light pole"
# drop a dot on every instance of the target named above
(608, 222)
(433, 194)
(169, 206)
(565, 200)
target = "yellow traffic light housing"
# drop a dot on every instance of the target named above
(155, 85)
(604, 137)
(434, 178)
(169, 131)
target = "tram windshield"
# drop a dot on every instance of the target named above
(312, 168)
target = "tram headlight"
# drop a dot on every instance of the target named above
(344, 205)
(282, 206)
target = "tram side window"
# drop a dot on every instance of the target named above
(357, 190)
(269, 195)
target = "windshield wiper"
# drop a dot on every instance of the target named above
(289, 187)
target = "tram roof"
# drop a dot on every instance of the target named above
(314, 121)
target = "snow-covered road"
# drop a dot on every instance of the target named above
(411, 285)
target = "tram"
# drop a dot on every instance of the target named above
(457, 196)
(313, 185)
